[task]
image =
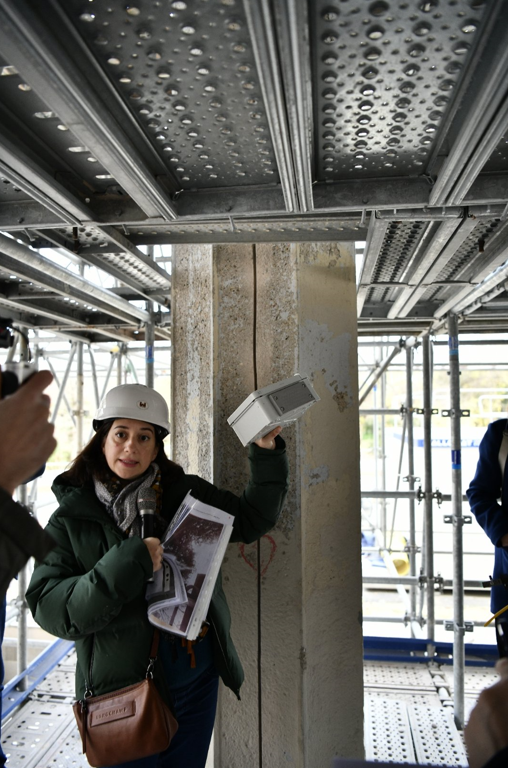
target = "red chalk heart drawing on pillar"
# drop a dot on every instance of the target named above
(249, 554)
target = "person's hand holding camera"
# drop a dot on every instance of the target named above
(486, 732)
(26, 438)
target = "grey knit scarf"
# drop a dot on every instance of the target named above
(123, 505)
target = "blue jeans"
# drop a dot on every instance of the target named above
(3, 758)
(195, 708)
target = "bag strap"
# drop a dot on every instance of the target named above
(503, 452)
(153, 653)
(149, 670)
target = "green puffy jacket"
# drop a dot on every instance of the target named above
(91, 587)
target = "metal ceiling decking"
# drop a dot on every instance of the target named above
(180, 121)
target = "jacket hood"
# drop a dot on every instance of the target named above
(77, 502)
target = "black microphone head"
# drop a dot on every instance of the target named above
(147, 506)
(147, 502)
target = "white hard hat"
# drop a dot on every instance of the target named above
(134, 401)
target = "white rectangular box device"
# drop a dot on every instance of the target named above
(275, 405)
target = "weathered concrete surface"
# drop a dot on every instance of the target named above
(330, 507)
(192, 374)
(258, 332)
(278, 309)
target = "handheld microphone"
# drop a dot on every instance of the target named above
(147, 505)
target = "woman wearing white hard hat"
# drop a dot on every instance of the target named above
(91, 587)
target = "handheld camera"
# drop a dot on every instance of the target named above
(12, 374)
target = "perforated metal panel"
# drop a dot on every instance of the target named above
(398, 676)
(458, 266)
(387, 731)
(383, 75)
(43, 731)
(409, 712)
(242, 121)
(435, 736)
(475, 678)
(187, 73)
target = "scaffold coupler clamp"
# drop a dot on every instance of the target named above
(450, 412)
(438, 496)
(424, 580)
(451, 626)
(458, 519)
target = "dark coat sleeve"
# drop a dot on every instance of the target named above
(21, 537)
(485, 488)
(71, 598)
(257, 509)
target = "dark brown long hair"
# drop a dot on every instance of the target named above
(91, 463)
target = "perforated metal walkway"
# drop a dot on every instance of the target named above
(409, 712)
(43, 731)
(408, 717)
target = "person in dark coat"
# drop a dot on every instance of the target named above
(91, 587)
(27, 441)
(488, 499)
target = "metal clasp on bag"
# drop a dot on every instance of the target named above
(88, 695)
(151, 665)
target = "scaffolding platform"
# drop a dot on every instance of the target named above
(42, 731)
(408, 716)
(409, 711)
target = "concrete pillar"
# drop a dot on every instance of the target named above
(245, 316)
(192, 362)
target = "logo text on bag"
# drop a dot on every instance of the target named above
(112, 713)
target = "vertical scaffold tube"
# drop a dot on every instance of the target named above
(149, 351)
(79, 396)
(383, 457)
(428, 521)
(22, 493)
(119, 365)
(411, 477)
(149, 338)
(94, 377)
(80, 382)
(458, 521)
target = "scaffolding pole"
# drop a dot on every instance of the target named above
(79, 395)
(94, 377)
(57, 382)
(61, 391)
(399, 472)
(108, 374)
(132, 367)
(458, 522)
(378, 373)
(22, 637)
(411, 476)
(149, 350)
(119, 362)
(149, 337)
(383, 457)
(428, 558)
(80, 381)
